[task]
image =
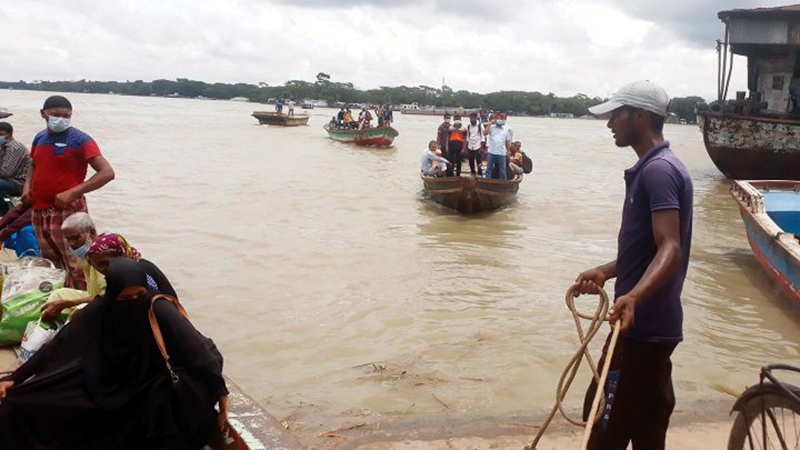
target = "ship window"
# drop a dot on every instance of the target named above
(777, 82)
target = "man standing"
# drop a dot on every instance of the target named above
(652, 258)
(14, 164)
(474, 140)
(499, 137)
(55, 184)
(443, 133)
(291, 107)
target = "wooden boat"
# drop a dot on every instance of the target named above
(470, 195)
(4, 113)
(376, 137)
(274, 118)
(756, 136)
(771, 214)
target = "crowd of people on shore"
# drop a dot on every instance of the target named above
(478, 141)
(127, 369)
(346, 120)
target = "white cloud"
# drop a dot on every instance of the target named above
(565, 47)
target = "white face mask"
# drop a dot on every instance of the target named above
(57, 124)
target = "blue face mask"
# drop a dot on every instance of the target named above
(81, 251)
(501, 122)
(57, 124)
(3, 141)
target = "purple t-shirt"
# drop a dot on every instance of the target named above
(658, 181)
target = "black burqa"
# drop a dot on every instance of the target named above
(102, 382)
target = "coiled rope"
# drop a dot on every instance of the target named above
(596, 321)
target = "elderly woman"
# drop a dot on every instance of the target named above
(104, 382)
(95, 252)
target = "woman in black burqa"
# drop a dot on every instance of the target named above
(102, 382)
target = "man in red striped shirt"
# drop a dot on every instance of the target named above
(56, 182)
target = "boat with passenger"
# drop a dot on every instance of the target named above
(281, 119)
(771, 214)
(372, 137)
(471, 195)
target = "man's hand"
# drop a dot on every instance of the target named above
(222, 417)
(4, 385)
(27, 198)
(590, 281)
(66, 198)
(625, 310)
(51, 311)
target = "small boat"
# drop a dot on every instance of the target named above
(771, 214)
(274, 118)
(4, 113)
(754, 137)
(470, 195)
(376, 137)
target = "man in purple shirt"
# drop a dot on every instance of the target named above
(652, 259)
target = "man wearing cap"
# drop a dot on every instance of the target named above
(652, 258)
(56, 182)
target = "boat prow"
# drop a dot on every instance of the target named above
(771, 214)
(373, 137)
(470, 195)
(286, 120)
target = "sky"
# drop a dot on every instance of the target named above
(560, 46)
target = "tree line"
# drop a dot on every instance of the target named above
(333, 92)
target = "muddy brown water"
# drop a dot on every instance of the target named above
(338, 295)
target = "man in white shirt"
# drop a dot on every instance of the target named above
(291, 107)
(432, 164)
(499, 136)
(474, 141)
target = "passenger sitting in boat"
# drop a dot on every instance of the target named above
(14, 163)
(101, 383)
(431, 163)
(333, 123)
(366, 120)
(515, 162)
(95, 252)
(455, 145)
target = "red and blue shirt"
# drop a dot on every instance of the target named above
(60, 163)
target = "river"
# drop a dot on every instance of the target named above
(336, 293)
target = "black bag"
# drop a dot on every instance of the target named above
(527, 163)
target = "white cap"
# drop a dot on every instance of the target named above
(639, 94)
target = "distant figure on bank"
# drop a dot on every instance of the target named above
(14, 165)
(455, 145)
(56, 182)
(291, 107)
(431, 163)
(652, 258)
(106, 382)
(278, 106)
(499, 136)
(474, 141)
(443, 133)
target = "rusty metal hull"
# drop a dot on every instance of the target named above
(752, 148)
(469, 195)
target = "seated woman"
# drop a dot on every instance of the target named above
(98, 251)
(103, 382)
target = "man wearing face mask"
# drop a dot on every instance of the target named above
(56, 182)
(14, 163)
(443, 134)
(499, 137)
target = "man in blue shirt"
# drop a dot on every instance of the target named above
(652, 258)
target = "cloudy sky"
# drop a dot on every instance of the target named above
(561, 46)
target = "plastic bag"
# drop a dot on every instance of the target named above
(36, 335)
(27, 285)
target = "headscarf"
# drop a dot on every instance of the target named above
(116, 244)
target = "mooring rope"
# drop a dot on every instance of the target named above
(596, 321)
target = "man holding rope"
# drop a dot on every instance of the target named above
(652, 259)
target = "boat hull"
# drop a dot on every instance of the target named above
(271, 118)
(777, 251)
(4, 114)
(372, 137)
(469, 195)
(752, 148)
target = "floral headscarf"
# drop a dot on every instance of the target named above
(115, 244)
